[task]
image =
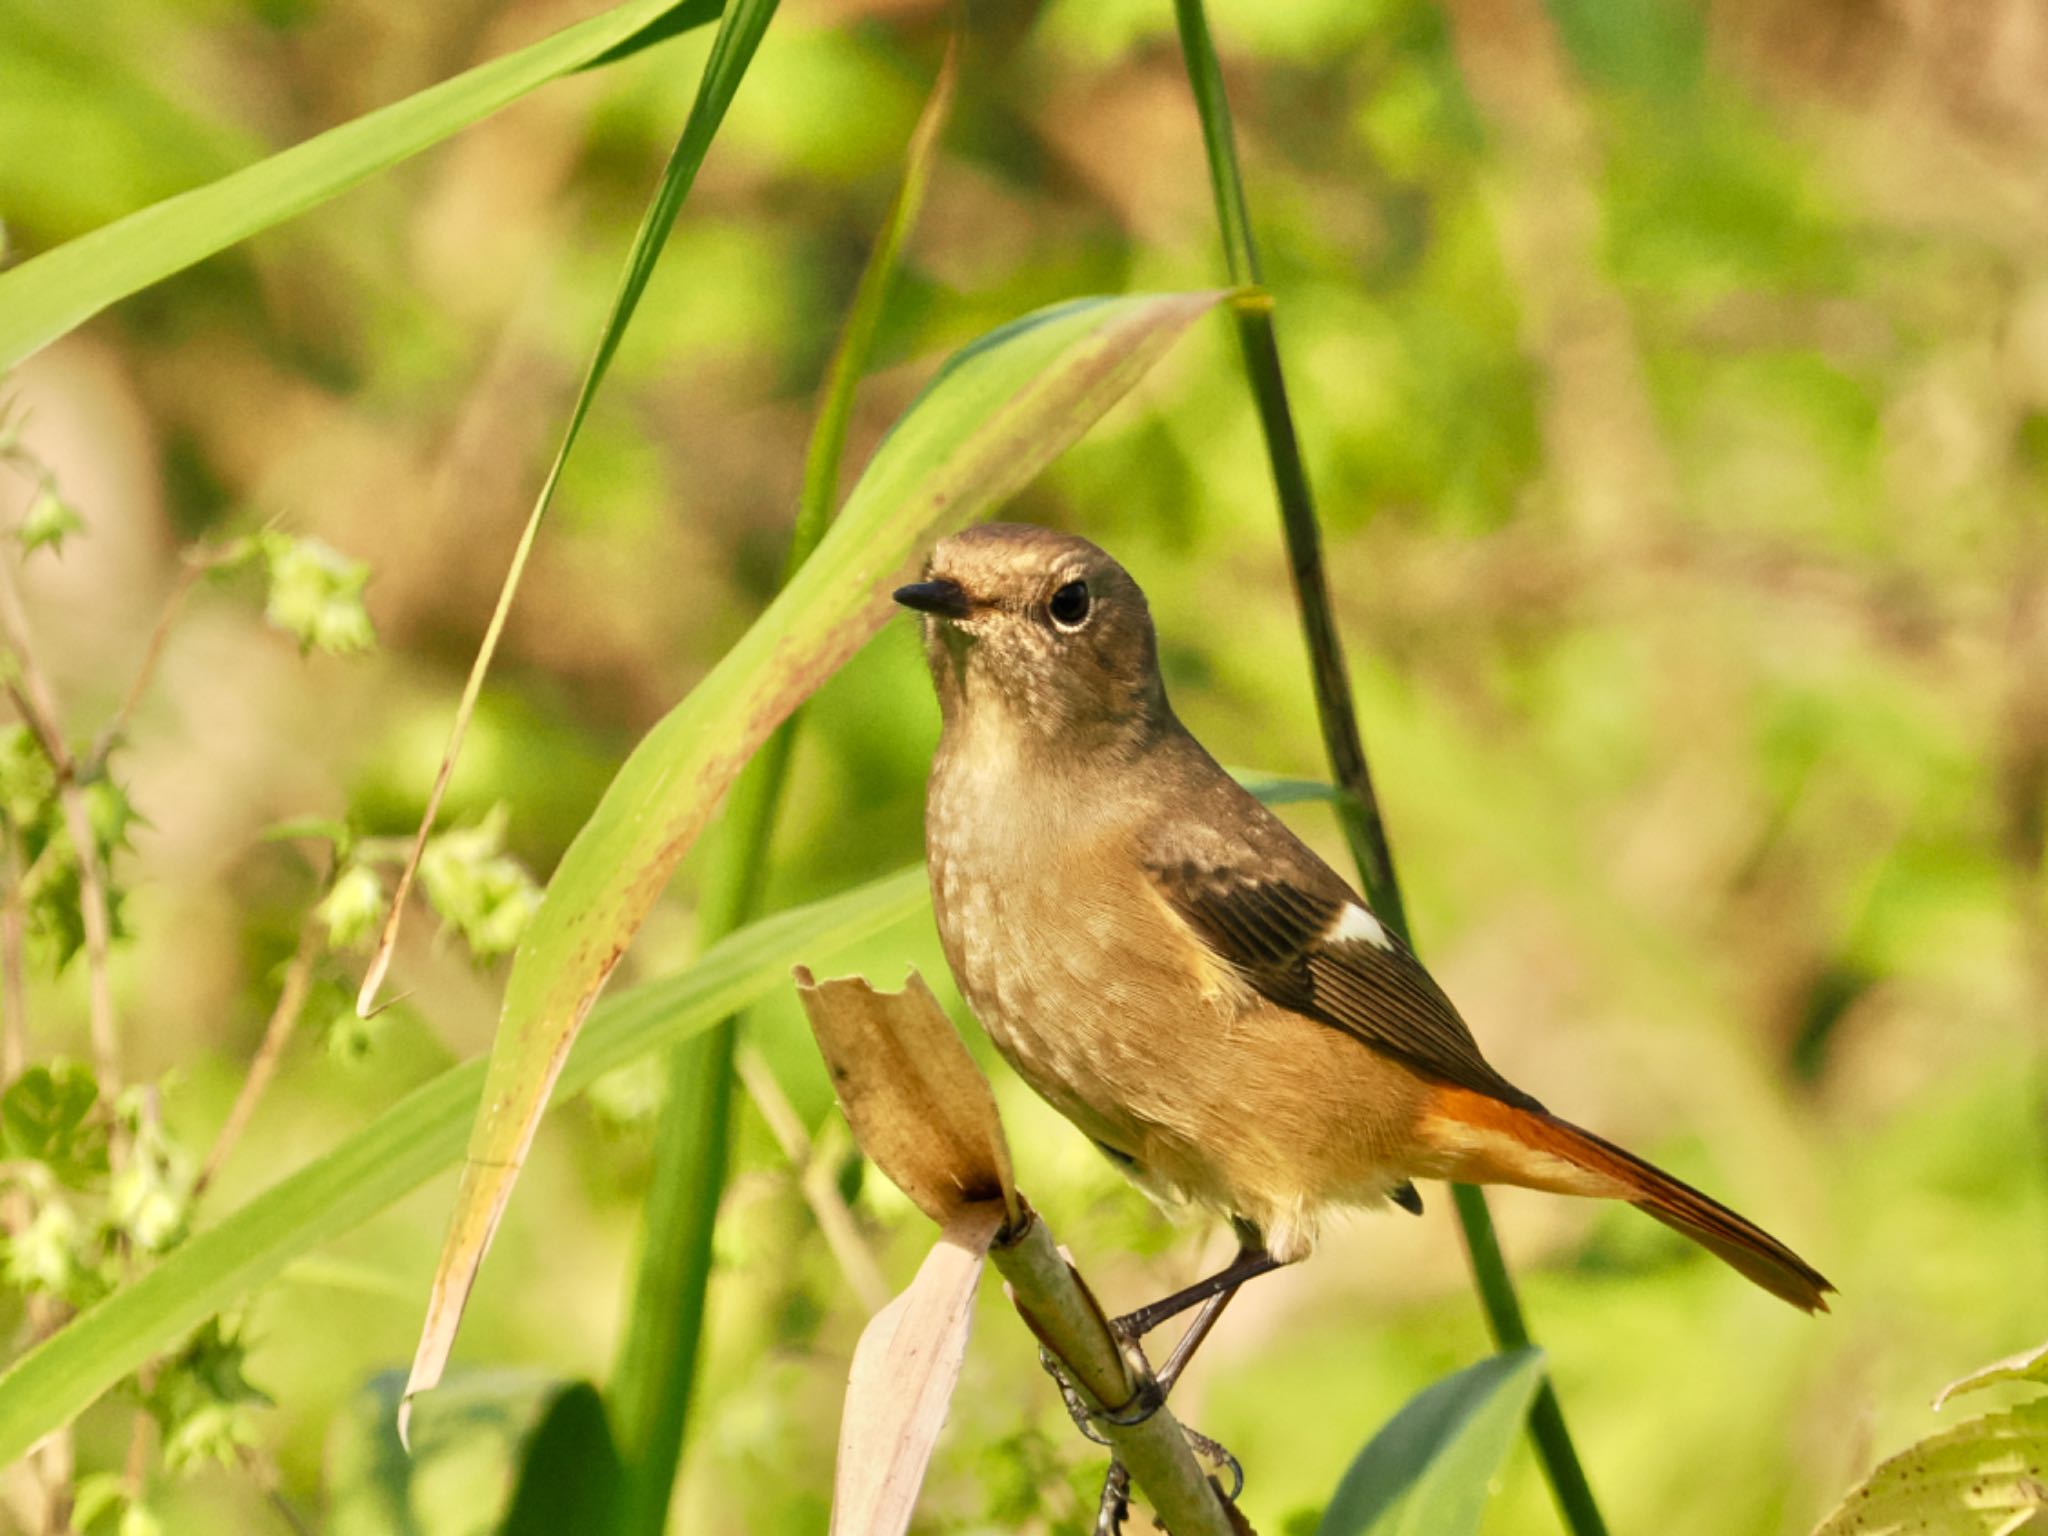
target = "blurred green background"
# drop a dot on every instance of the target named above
(1675, 383)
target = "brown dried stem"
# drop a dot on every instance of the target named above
(284, 1018)
(194, 567)
(13, 974)
(38, 706)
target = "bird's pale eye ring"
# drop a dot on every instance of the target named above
(1070, 606)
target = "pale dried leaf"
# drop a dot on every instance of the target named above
(904, 1371)
(918, 1104)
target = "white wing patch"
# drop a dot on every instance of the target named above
(1355, 923)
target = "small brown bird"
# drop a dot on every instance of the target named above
(1175, 972)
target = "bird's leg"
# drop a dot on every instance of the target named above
(1212, 1296)
(1252, 1261)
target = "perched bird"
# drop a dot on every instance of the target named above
(1171, 968)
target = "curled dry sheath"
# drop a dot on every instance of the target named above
(922, 1111)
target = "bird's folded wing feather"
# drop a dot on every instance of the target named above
(1287, 924)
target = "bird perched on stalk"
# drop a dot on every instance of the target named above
(1172, 969)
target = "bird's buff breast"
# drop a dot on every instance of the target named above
(1106, 1005)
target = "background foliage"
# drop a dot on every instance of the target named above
(1676, 387)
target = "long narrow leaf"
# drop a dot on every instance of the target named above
(48, 295)
(739, 34)
(996, 414)
(397, 1152)
(652, 1384)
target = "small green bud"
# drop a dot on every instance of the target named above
(49, 521)
(316, 594)
(354, 908)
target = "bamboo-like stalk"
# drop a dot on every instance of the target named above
(1060, 1309)
(1342, 741)
(921, 1109)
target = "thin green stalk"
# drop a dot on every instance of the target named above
(1359, 814)
(658, 1363)
(651, 1390)
(732, 49)
(656, 1369)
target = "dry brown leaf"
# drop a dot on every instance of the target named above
(904, 1371)
(918, 1104)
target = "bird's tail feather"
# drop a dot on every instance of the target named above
(1592, 1165)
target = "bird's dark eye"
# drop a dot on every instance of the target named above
(1069, 605)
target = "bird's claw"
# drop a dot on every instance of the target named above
(1115, 1504)
(1215, 1451)
(1114, 1507)
(1148, 1398)
(1077, 1410)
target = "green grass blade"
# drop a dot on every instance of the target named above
(657, 1363)
(50, 294)
(739, 34)
(401, 1149)
(1359, 811)
(1427, 1472)
(986, 425)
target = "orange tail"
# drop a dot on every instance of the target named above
(1487, 1141)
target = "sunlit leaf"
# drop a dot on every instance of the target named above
(997, 413)
(1988, 1477)
(2027, 1365)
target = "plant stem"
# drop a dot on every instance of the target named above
(277, 1033)
(656, 1369)
(815, 1178)
(1359, 813)
(38, 705)
(1061, 1311)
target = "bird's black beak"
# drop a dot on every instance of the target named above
(947, 599)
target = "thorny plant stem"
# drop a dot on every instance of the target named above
(194, 567)
(1342, 741)
(284, 1018)
(38, 705)
(13, 978)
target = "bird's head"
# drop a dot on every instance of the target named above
(1041, 631)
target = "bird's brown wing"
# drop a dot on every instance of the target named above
(1261, 901)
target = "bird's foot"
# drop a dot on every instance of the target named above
(1114, 1507)
(1223, 1469)
(1147, 1400)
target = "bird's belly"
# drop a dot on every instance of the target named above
(1206, 1092)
